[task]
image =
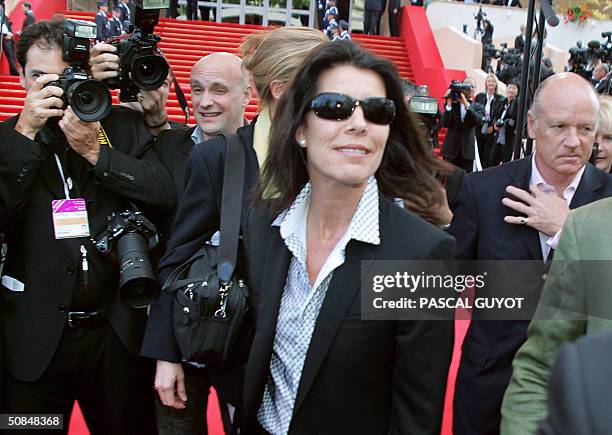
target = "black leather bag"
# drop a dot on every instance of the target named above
(210, 301)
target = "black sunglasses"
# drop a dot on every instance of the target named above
(336, 106)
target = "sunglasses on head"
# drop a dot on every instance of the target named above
(336, 106)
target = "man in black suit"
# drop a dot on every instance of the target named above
(102, 21)
(515, 212)
(128, 10)
(67, 334)
(394, 11)
(461, 117)
(115, 25)
(220, 94)
(579, 388)
(519, 41)
(8, 45)
(29, 16)
(371, 17)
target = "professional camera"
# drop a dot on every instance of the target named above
(132, 235)
(90, 99)
(457, 88)
(578, 61)
(141, 64)
(504, 123)
(427, 108)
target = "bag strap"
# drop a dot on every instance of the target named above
(231, 207)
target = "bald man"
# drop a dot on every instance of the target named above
(515, 212)
(220, 92)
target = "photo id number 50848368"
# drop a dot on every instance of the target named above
(31, 421)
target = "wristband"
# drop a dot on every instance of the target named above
(157, 126)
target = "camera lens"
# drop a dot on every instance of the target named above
(90, 99)
(149, 71)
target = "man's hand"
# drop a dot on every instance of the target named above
(464, 100)
(545, 212)
(82, 136)
(104, 63)
(154, 104)
(40, 104)
(170, 384)
(8, 35)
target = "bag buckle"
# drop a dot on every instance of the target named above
(223, 291)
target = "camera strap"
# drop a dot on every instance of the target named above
(69, 215)
(180, 96)
(66, 181)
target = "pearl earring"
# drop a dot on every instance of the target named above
(301, 142)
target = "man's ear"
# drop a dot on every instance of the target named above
(531, 124)
(247, 94)
(277, 87)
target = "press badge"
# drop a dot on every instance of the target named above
(70, 218)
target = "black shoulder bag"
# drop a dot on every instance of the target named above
(210, 302)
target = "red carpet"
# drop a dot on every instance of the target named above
(215, 427)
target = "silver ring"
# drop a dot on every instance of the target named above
(524, 221)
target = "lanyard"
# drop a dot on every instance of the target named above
(67, 182)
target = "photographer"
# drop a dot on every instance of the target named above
(490, 99)
(462, 118)
(67, 334)
(105, 64)
(504, 123)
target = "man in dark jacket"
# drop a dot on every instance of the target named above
(461, 117)
(220, 93)
(29, 16)
(67, 333)
(102, 21)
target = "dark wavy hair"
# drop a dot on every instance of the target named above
(407, 166)
(47, 34)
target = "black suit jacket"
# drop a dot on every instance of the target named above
(369, 377)
(124, 15)
(460, 136)
(114, 27)
(579, 388)
(481, 98)
(102, 23)
(481, 233)
(519, 43)
(28, 20)
(197, 218)
(34, 319)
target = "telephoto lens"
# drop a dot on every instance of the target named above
(138, 286)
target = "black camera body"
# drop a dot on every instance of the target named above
(131, 236)
(141, 64)
(504, 123)
(90, 99)
(457, 88)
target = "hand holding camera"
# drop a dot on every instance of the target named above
(81, 136)
(104, 62)
(41, 103)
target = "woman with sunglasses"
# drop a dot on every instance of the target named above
(342, 149)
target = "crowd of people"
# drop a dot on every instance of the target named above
(337, 170)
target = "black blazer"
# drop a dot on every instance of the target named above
(519, 43)
(34, 319)
(359, 377)
(103, 30)
(481, 98)
(197, 218)
(461, 136)
(481, 233)
(579, 388)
